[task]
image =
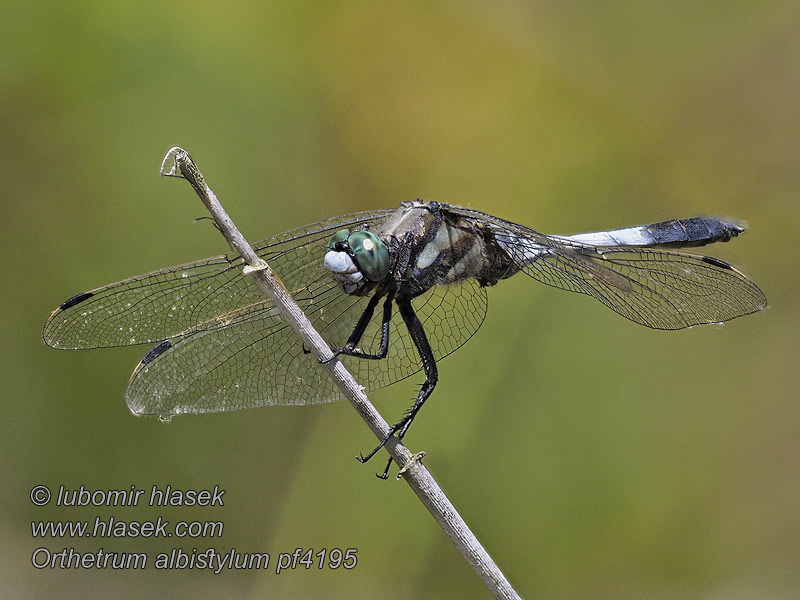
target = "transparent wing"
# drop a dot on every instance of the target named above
(653, 287)
(257, 360)
(656, 288)
(228, 348)
(201, 295)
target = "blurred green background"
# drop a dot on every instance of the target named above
(593, 457)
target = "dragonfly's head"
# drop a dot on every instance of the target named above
(357, 259)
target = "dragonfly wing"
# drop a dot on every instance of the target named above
(201, 295)
(257, 360)
(657, 288)
(661, 289)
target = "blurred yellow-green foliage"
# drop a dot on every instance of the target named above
(594, 458)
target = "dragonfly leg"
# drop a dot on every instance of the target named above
(350, 347)
(420, 340)
(359, 330)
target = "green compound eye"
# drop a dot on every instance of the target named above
(339, 236)
(370, 254)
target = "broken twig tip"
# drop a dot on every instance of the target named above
(169, 166)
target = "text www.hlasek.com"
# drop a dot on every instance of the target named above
(112, 527)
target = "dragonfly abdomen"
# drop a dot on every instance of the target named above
(677, 233)
(697, 231)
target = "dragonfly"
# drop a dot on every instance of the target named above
(223, 346)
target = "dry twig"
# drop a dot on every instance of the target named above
(178, 163)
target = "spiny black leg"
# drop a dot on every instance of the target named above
(385, 474)
(428, 361)
(400, 434)
(401, 427)
(363, 321)
(349, 348)
(360, 327)
(420, 340)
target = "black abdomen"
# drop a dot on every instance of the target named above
(697, 231)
